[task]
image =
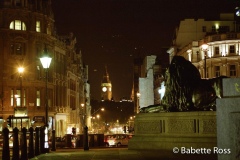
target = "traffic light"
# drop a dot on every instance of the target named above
(124, 129)
(9, 121)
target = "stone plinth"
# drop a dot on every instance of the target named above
(228, 119)
(164, 131)
(231, 87)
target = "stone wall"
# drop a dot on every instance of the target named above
(164, 131)
(228, 119)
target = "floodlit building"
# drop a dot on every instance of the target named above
(26, 33)
(212, 46)
(150, 79)
(146, 82)
(148, 75)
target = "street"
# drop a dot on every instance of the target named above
(110, 153)
(116, 153)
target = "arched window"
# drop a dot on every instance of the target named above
(17, 25)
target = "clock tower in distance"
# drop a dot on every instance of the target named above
(106, 87)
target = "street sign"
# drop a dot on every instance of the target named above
(39, 119)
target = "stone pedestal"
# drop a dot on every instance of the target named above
(164, 131)
(228, 119)
(218, 131)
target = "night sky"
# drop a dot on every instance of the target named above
(113, 32)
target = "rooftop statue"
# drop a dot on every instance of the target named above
(186, 91)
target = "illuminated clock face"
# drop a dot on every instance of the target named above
(104, 89)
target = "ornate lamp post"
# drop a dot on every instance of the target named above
(20, 71)
(205, 49)
(46, 61)
(82, 114)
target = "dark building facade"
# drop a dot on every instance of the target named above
(26, 31)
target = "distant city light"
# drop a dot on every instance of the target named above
(116, 130)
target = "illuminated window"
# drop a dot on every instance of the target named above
(232, 70)
(12, 98)
(18, 98)
(38, 26)
(38, 98)
(38, 72)
(17, 25)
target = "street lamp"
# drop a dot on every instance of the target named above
(83, 114)
(205, 49)
(20, 71)
(98, 116)
(46, 61)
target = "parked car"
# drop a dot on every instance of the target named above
(117, 139)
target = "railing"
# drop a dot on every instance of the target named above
(31, 143)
